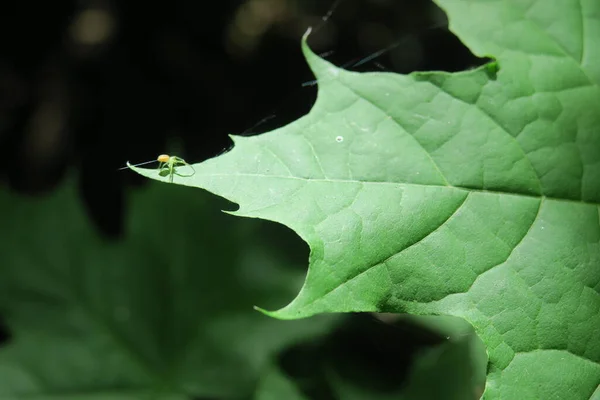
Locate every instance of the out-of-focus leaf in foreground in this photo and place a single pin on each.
(473, 194)
(165, 313)
(365, 358)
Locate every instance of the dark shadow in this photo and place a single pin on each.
(366, 351)
(169, 72)
(5, 335)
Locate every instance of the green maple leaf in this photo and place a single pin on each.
(473, 194)
(164, 313)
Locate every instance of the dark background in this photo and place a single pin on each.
(88, 85)
(94, 83)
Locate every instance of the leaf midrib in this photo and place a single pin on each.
(356, 181)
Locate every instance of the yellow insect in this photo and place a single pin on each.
(167, 166)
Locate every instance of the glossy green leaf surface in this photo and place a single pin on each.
(473, 194)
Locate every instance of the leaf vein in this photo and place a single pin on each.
(354, 181)
(499, 125)
(384, 261)
(437, 167)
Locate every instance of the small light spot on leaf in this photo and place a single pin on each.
(339, 139)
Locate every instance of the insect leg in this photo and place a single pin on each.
(187, 175)
(171, 170)
(182, 162)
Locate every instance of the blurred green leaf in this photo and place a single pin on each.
(275, 385)
(473, 194)
(371, 363)
(163, 314)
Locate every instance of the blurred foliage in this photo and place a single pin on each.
(168, 308)
(367, 358)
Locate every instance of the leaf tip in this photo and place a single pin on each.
(284, 313)
(492, 68)
(276, 314)
(147, 173)
(305, 47)
(235, 213)
(127, 166)
(320, 67)
(267, 313)
(306, 34)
